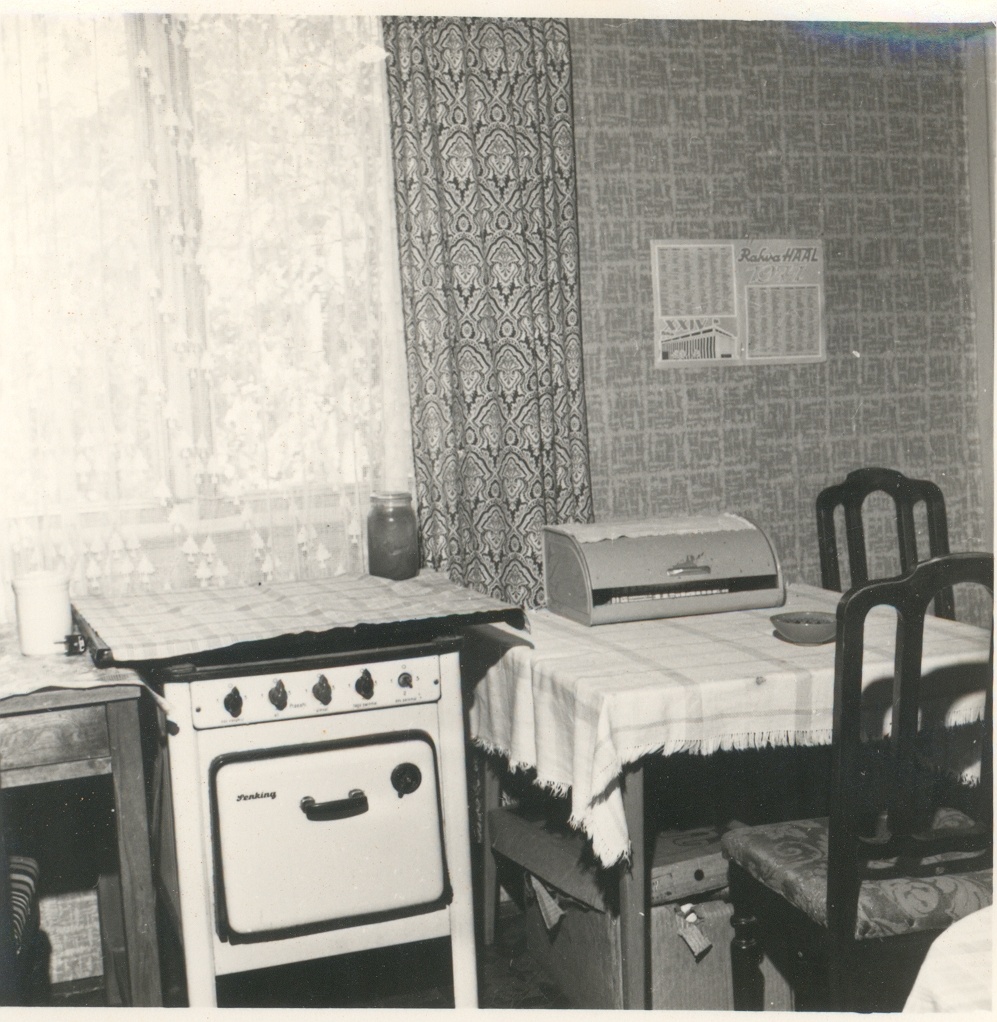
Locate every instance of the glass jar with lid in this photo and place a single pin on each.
(392, 536)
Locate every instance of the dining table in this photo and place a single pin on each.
(583, 708)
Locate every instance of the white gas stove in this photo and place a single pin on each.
(311, 813)
(312, 789)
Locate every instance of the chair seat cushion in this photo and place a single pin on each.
(791, 859)
(23, 897)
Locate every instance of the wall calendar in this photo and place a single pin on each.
(738, 302)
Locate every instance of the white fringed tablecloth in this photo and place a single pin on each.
(579, 703)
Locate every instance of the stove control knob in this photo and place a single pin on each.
(405, 778)
(365, 684)
(405, 680)
(278, 695)
(233, 702)
(322, 690)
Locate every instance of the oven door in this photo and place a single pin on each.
(334, 834)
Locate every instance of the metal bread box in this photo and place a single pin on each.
(630, 571)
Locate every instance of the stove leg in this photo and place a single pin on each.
(457, 833)
(192, 866)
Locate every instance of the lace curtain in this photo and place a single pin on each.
(201, 360)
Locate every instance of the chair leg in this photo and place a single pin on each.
(841, 992)
(112, 938)
(745, 964)
(835, 993)
(492, 791)
(37, 981)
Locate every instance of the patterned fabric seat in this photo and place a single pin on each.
(791, 860)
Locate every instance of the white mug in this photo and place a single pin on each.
(44, 617)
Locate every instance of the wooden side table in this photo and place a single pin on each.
(59, 734)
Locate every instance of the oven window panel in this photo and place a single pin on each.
(369, 841)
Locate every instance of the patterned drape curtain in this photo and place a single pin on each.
(483, 147)
(202, 365)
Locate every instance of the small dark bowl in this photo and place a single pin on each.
(807, 627)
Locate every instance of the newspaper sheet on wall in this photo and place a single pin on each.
(755, 301)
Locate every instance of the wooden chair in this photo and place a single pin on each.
(866, 891)
(906, 493)
(23, 948)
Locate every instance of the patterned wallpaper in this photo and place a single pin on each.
(701, 129)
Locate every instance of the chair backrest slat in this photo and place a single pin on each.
(906, 493)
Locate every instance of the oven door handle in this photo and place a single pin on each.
(355, 804)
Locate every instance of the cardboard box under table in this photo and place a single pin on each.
(580, 949)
